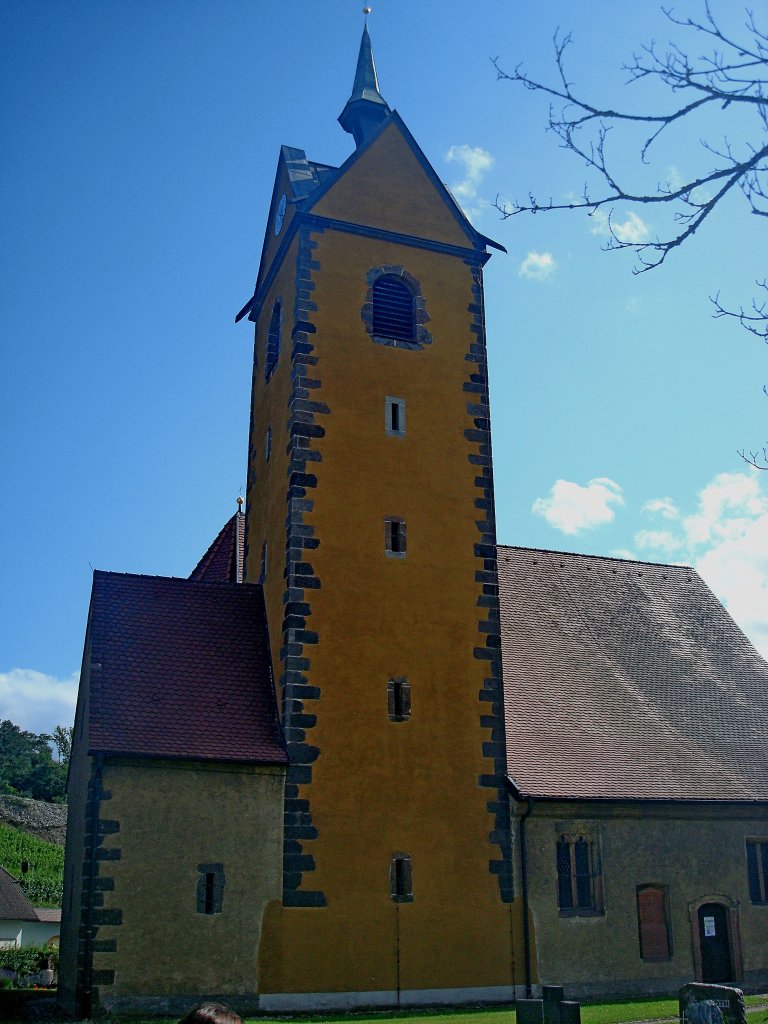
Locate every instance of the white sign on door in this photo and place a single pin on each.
(709, 926)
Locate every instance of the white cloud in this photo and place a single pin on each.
(727, 494)
(665, 507)
(737, 570)
(476, 163)
(631, 230)
(623, 553)
(572, 508)
(35, 701)
(675, 179)
(633, 305)
(660, 540)
(726, 539)
(537, 266)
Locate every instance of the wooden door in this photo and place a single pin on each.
(715, 943)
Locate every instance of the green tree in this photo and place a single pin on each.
(62, 740)
(27, 767)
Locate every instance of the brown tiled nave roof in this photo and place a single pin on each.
(181, 669)
(627, 680)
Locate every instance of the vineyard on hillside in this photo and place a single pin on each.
(44, 878)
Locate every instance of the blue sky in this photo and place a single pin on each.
(140, 145)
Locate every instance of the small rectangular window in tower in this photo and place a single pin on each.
(401, 878)
(268, 443)
(394, 537)
(210, 888)
(757, 870)
(263, 567)
(394, 416)
(398, 699)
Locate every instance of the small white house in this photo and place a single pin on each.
(21, 924)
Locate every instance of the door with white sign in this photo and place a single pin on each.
(715, 943)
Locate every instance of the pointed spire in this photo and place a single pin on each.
(366, 108)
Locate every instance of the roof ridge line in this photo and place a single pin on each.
(602, 558)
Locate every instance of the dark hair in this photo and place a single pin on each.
(210, 1013)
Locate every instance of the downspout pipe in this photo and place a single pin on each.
(524, 885)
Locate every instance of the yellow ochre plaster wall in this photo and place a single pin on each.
(695, 852)
(268, 480)
(227, 814)
(387, 188)
(380, 787)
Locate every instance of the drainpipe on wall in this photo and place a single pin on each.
(524, 882)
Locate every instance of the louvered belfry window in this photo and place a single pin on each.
(393, 309)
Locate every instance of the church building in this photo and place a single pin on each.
(364, 756)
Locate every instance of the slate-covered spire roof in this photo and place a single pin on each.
(366, 108)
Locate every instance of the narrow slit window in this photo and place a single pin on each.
(394, 537)
(273, 341)
(393, 312)
(394, 417)
(209, 877)
(757, 870)
(268, 444)
(210, 888)
(263, 567)
(401, 878)
(398, 699)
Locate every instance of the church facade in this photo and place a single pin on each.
(350, 761)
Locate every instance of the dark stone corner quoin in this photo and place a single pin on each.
(96, 880)
(304, 432)
(478, 437)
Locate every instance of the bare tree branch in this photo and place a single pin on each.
(733, 76)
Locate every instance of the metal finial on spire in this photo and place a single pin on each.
(366, 108)
(239, 503)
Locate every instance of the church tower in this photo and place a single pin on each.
(371, 526)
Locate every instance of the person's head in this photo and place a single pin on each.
(210, 1013)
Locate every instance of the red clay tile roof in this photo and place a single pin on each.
(223, 561)
(627, 680)
(14, 904)
(181, 669)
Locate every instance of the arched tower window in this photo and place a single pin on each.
(273, 340)
(393, 309)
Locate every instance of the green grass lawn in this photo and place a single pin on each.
(591, 1013)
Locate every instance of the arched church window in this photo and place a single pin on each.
(273, 340)
(393, 308)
